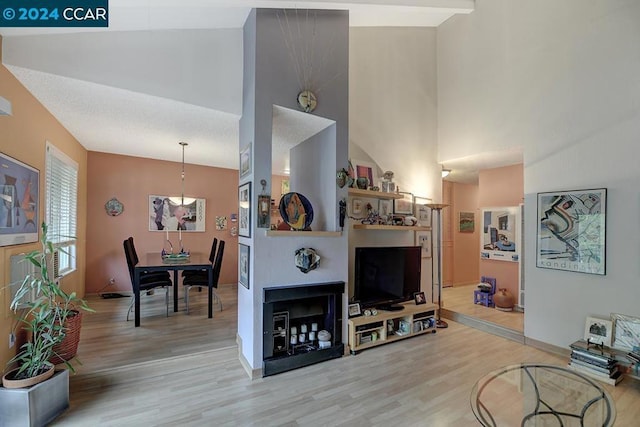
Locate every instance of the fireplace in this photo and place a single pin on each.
(296, 320)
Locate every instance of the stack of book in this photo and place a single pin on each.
(595, 362)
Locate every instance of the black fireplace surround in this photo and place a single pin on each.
(300, 307)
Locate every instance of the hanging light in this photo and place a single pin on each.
(445, 172)
(182, 200)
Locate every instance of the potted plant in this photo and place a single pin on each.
(44, 319)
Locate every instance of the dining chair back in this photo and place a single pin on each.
(200, 279)
(148, 280)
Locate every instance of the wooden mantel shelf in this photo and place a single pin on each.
(374, 194)
(390, 227)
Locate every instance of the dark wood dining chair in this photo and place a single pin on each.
(148, 280)
(200, 278)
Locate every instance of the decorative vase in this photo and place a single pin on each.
(362, 182)
(503, 300)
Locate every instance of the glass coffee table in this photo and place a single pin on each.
(541, 395)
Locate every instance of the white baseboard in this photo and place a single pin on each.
(253, 373)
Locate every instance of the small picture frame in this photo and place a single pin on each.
(385, 208)
(244, 209)
(354, 310)
(245, 160)
(403, 206)
(356, 207)
(423, 239)
(626, 332)
(419, 298)
(598, 331)
(244, 264)
(466, 222)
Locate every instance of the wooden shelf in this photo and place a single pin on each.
(374, 194)
(285, 233)
(390, 227)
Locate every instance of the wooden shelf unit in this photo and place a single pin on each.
(286, 233)
(390, 227)
(420, 319)
(374, 194)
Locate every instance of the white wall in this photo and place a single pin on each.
(561, 79)
(393, 103)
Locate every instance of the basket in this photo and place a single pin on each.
(67, 349)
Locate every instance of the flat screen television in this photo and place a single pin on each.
(386, 276)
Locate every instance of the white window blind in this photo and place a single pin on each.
(61, 195)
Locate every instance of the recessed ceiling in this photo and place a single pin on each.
(169, 70)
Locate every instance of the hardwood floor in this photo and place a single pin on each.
(421, 381)
(459, 299)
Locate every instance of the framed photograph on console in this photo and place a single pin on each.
(354, 310)
(626, 332)
(598, 331)
(419, 298)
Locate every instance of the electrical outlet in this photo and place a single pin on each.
(12, 340)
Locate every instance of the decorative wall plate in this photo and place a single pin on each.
(296, 211)
(307, 259)
(114, 207)
(307, 101)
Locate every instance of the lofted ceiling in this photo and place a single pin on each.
(171, 70)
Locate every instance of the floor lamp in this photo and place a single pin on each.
(437, 208)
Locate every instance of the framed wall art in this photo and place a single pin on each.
(244, 264)
(365, 169)
(245, 160)
(571, 231)
(467, 222)
(19, 202)
(244, 210)
(626, 332)
(166, 215)
(500, 234)
(423, 239)
(598, 331)
(422, 211)
(403, 206)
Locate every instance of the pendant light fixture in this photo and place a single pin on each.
(182, 201)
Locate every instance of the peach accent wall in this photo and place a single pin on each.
(465, 245)
(23, 136)
(131, 180)
(461, 253)
(501, 187)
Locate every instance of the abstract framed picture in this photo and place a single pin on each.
(244, 210)
(245, 160)
(500, 238)
(572, 231)
(168, 214)
(19, 202)
(244, 264)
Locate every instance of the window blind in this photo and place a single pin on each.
(62, 205)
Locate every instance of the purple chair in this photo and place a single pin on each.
(485, 297)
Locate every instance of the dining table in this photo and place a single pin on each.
(154, 261)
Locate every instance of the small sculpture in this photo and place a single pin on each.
(341, 177)
(307, 259)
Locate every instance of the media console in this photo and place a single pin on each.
(389, 326)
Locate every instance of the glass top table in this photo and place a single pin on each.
(541, 395)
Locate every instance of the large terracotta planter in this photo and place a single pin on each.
(503, 300)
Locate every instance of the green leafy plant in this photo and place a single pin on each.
(44, 317)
